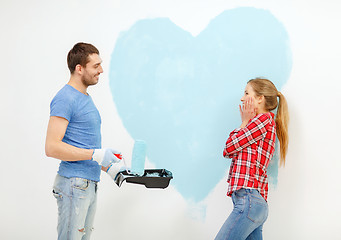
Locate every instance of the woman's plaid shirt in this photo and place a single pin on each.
(251, 149)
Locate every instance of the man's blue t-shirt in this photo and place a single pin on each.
(83, 130)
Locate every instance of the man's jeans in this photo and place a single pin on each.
(76, 200)
(247, 218)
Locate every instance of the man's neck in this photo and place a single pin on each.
(78, 85)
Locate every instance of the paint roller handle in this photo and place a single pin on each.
(124, 163)
(106, 156)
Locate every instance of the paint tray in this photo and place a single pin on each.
(152, 178)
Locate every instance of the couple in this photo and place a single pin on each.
(74, 137)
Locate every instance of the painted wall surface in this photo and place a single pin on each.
(174, 72)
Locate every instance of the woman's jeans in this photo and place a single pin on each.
(247, 218)
(76, 200)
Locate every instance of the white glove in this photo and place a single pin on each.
(106, 156)
(115, 168)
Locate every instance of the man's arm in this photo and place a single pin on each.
(56, 148)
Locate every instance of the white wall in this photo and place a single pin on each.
(35, 38)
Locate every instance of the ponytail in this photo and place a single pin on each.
(282, 120)
(264, 87)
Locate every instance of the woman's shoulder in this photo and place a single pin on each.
(265, 117)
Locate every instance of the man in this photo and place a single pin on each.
(73, 136)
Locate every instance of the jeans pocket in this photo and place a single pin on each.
(258, 210)
(57, 194)
(80, 183)
(239, 201)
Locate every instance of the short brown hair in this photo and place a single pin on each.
(79, 55)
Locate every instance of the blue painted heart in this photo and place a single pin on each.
(180, 93)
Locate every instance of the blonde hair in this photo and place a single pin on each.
(264, 87)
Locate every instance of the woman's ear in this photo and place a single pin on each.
(260, 99)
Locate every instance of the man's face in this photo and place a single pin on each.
(92, 70)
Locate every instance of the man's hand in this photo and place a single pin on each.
(115, 168)
(106, 156)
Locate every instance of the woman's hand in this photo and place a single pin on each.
(247, 111)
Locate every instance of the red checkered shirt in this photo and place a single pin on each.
(251, 149)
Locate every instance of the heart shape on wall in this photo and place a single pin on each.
(180, 93)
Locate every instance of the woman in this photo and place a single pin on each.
(251, 147)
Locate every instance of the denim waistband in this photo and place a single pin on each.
(244, 191)
(92, 181)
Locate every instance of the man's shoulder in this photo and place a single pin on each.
(65, 94)
(64, 101)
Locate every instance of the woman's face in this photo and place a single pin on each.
(248, 93)
(258, 101)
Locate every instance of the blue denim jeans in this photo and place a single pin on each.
(76, 200)
(249, 213)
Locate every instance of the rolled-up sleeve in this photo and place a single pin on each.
(241, 138)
